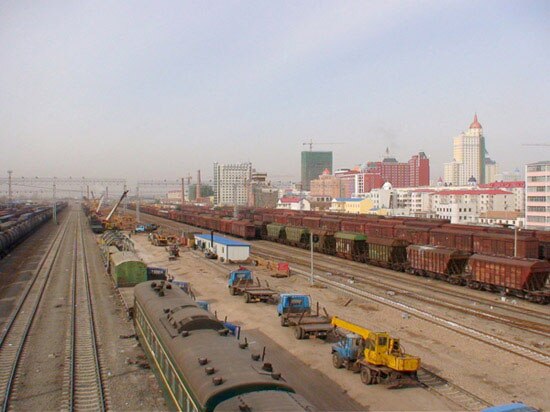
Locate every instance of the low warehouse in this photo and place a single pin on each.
(226, 249)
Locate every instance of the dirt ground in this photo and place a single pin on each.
(208, 280)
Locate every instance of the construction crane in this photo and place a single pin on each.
(310, 144)
(378, 357)
(536, 144)
(106, 222)
(100, 203)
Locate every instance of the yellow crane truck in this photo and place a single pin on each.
(378, 357)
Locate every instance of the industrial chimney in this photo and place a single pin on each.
(198, 186)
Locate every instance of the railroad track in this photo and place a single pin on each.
(379, 274)
(15, 333)
(84, 386)
(431, 381)
(448, 390)
(509, 346)
(376, 272)
(360, 277)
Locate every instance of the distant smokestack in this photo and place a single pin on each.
(182, 192)
(198, 186)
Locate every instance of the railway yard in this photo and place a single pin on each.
(67, 341)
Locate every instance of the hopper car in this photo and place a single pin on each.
(384, 242)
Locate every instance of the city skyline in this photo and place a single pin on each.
(147, 91)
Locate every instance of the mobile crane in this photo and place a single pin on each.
(107, 224)
(378, 357)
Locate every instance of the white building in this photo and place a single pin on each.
(468, 157)
(228, 250)
(465, 206)
(231, 183)
(517, 188)
(537, 187)
(293, 203)
(491, 170)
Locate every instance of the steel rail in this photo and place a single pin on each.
(509, 346)
(9, 366)
(86, 388)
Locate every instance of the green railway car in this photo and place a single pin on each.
(297, 236)
(127, 269)
(276, 232)
(387, 252)
(350, 245)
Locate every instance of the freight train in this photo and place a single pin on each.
(459, 254)
(16, 227)
(200, 365)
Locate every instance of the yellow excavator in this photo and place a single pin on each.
(377, 356)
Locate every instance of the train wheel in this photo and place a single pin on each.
(366, 376)
(337, 361)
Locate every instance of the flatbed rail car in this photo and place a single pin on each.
(241, 282)
(295, 310)
(199, 364)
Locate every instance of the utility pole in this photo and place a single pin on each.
(54, 203)
(106, 194)
(137, 205)
(125, 200)
(9, 186)
(311, 260)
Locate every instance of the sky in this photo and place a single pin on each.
(159, 89)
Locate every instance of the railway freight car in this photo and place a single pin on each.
(388, 253)
(437, 263)
(500, 244)
(351, 246)
(127, 269)
(524, 278)
(23, 226)
(199, 365)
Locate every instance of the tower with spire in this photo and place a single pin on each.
(468, 156)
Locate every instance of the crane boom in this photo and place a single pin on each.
(115, 207)
(100, 203)
(310, 144)
(352, 327)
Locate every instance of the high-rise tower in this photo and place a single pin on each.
(468, 157)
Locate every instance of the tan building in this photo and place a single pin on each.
(468, 157)
(352, 205)
(326, 186)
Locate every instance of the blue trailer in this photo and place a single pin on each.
(242, 282)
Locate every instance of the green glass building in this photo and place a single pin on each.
(313, 164)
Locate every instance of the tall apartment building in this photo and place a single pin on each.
(313, 165)
(468, 157)
(537, 192)
(414, 173)
(231, 183)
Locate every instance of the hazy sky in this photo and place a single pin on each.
(157, 89)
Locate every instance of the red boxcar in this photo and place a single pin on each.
(355, 225)
(452, 238)
(416, 235)
(503, 245)
(244, 229)
(295, 220)
(226, 226)
(282, 219)
(380, 228)
(330, 224)
(521, 277)
(311, 222)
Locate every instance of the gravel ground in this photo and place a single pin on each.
(130, 387)
(208, 280)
